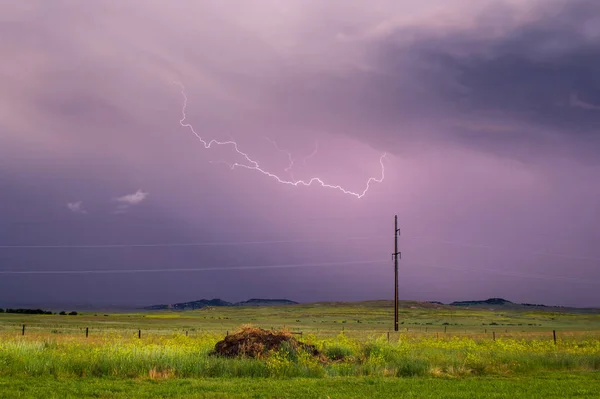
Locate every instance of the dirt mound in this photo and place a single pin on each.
(258, 343)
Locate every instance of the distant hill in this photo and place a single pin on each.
(488, 303)
(491, 301)
(508, 305)
(265, 302)
(203, 303)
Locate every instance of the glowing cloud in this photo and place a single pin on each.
(254, 165)
(129, 200)
(76, 207)
(133, 199)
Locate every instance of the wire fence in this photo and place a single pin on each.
(434, 332)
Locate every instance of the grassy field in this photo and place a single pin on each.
(357, 319)
(543, 386)
(440, 351)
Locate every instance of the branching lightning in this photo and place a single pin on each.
(254, 165)
(312, 154)
(291, 157)
(289, 154)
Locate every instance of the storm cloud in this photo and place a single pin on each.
(488, 111)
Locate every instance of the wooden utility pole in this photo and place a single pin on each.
(395, 256)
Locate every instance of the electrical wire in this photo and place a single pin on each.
(205, 269)
(188, 244)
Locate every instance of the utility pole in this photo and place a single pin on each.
(395, 256)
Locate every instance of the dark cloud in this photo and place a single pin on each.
(488, 110)
(490, 85)
(511, 89)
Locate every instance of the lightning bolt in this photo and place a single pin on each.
(254, 165)
(312, 154)
(289, 154)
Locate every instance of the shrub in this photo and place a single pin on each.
(337, 352)
(412, 368)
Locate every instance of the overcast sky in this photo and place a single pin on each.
(487, 111)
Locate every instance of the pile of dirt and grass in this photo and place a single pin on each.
(258, 343)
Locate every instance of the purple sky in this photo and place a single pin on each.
(488, 111)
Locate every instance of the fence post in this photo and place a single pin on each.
(388, 336)
(554, 335)
(86, 332)
(139, 334)
(23, 333)
(445, 328)
(494, 335)
(186, 333)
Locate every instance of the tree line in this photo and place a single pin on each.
(36, 311)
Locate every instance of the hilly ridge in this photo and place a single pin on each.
(489, 303)
(203, 303)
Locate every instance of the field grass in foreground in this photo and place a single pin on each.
(441, 351)
(548, 385)
(183, 357)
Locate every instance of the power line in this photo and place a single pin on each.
(127, 271)
(189, 244)
(297, 241)
(147, 218)
(287, 266)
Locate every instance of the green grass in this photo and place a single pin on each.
(183, 357)
(355, 319)
(441, 351)
(551, 385)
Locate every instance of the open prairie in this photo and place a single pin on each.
(460, 352)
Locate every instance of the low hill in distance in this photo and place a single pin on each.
(491, 303)
(203, 303)
(500, 303)
(265, 302)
